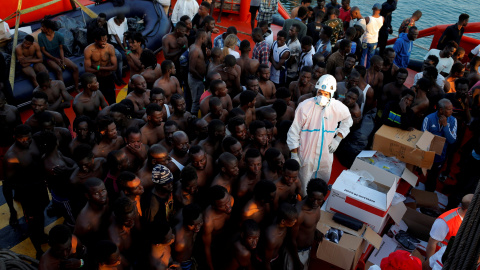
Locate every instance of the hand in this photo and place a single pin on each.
(390, 31)
(174, 265)
(22, 61)
(58, 61)
(71, 264)
(403, 105)
(215, 30)
(334, 144)
(59, 170)
(295, 157)
(442, 120)
(136, 151)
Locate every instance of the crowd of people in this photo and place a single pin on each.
(215, 159)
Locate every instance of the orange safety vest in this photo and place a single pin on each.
(453, 220)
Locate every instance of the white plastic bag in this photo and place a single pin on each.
(4, 30)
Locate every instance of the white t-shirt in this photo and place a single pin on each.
(476, 51)
(440, 79)
(114, 29)
(435, 261)
(373, 27)
(444, 64)
(269, 40)
(295, 51)
(306, 59)
(184, 7)
(234, 53)
(439, 230)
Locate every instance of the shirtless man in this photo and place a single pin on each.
(65, 251)
(200, 130)
(319, 70)
(289, 186)
(421, 103)
(305, 232)
(393, 90)
(39, 105)
(151, 69)
(90, 99)
(252, 176)
(248, 66)
(131, 186)
(273, 164)
(258, 137)
(22, 164)
(218, 89)
(247, 104)
(153, 132)
(228, 175)
(216, 216)
(260, 207)
(186, 189)
(168, 82)
(216, 110)
(303, 85)
(157, 154)
(283, 111)
(122, 115)
(9, 119)
(234, 147)
(100, 60)
(92, 217)
(140, 95)
(374, 76)
(216, 133)
(197, 69)
(341, 73)
(217, 59)
(203, 164)
(244, 246)
(109, 140)
(238, 130)
(46, 122)
(180, 115)
(185, 234)
(58, 97)
(122, 227)
(267, 113)
(175, 43)
(179, 153)
(367, 92)
(107, 256)
(117, 162)
(136, 41)
(30, 58)
(168, 129)
(350, 100)
(157, 96)
(273, 238)
(231, 73)
(284, 94)
(135, 150)
(162, 239)
(389, 69)
(267, 88)
(252, 85)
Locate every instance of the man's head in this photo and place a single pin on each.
(293, 31)
(133, 137)
(202, 37)
(281, 38)
(250, 234)
(96, 192)
(192, 217)
(245, 46)
(457, 70)
(258, 133)
(269, 114)
(388, 56)
(319, 70)
(424, 85)
(305, 75)
(377, 8)
(201, 129)
(326, 33)
(233, 146)
(107, 127)
(83, 156)
(284, 94)
(180, 29)
(449, 49)
(247, 99)
(48, 26)
(101, 19)
(218, 88)
(188, 179)
(180, 143)
(138, 84)
(216, 108)
(413, 33)
(461, 86)
(355, 12)
(252, 84)
(280, 107)
(306, 43)
(216, 130)
(257, 35)
(463, 19)
(263, 72)
(23, 136)
(287, 215)
(351, 97)
(326, 87)
(408, 96)
(118, 161)
(154, 114)
(107, 254)
(346, 5)
(345, 46)
(290, 172)
(198, 157)
(169, 128)
(238, 128)
(320, 4)
(178, 104)
(350, 60)
(162, 179)
(275, 159)
(317, 190)
(120, 18)
(265, 191)
(39, 102)
(221, 201)
(376, 63)
(302, 12)
(161, 233)
(157, 154)
(230, 61)
(209, 23)
(466, 201)
(417, 15)
(100, 37)
(401, 76)
(228, 164)
(89, 81)
(263, 25)
(168, 67)
(60, 242)
(253, 160)
(44, 81)
(445, 107)
(459, 54)
(130, 184)
(188, 22)
(27, 42)
(125, 212)
(148, 59)
(204, 9)
(83, 127)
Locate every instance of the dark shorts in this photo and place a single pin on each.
(254, 10)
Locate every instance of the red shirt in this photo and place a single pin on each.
(345, 15)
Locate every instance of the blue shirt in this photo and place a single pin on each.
(219, 42)
(403, 48)
(52, 47)
(431, 124)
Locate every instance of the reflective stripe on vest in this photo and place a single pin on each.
(453, 221)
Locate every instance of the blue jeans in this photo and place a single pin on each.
(367, 53)
(120, 55)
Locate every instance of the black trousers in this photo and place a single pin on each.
(107, 87)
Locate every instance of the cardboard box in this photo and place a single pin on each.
(419, 224)
(425, 198)
(372, 206)
(347, 252)
(388, 246)
(413, 147)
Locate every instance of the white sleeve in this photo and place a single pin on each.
(293, 136)
(476, 51)
(345, 124)
(417, 77)
(176, 12)
(449, 66)
(439, 230)
(111, 29)
(432, 261)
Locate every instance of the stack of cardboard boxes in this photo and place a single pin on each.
(367, 192)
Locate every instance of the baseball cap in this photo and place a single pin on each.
(401, 260)
(161, 175)
(377, 6)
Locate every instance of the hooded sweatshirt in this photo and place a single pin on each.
(403, 48)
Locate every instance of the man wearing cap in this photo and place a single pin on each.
(158, 204)
(314, 136)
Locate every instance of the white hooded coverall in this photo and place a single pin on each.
(312, 131)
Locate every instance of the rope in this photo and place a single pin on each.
(28, 10)
(240, 32)
(465, 250)
(12, 260)
(89, 12)
(11, 76)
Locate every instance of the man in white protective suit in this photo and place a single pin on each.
(320, 124)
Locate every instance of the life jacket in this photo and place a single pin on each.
(453, 220)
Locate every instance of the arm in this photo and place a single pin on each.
(44, 51)
(345, 124)
(133, 60)
(238, 86)
(78, 108)
(168, 54)
(193, 63)
(62, 55)
(38, 53)
(293, 137)
(369, 100)
(65, 95)
(278, 65)
(207, 241)
(431, 247)
(293, 241)
(450, 131)
(103, 103)
(268, 253)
